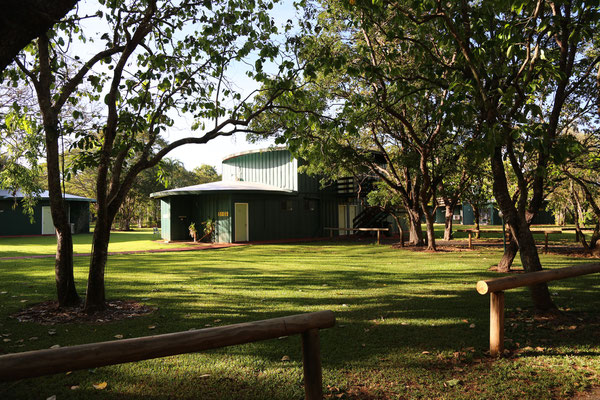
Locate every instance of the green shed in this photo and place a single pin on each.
(14, 221)
(262, 197)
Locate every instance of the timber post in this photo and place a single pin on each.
(311, 359)
(496, 288)
(496, 323)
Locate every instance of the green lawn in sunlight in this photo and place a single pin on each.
(410, 325)
(139, 239)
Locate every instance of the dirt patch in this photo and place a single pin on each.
(593, 394)
(48, 313)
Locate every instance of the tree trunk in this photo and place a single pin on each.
(476, 216)
(95, 297)
(63, 267)
(430, 220)
(448, 222)
(400, 230)
(521, 232)
(415, 231)
(509, 255)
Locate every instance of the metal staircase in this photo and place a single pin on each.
(370, 217)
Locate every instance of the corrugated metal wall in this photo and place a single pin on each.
(165, 218)
(273, 167)
(218, 208)
(275, 216)
(80, 216)
(15, 222)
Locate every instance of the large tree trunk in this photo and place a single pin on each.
(430, 220)
(63, 267)
(415, 231)
(509, 255)
(521, 232)
(95, 297)
(400, 229)
(448, 221)
(476, 216)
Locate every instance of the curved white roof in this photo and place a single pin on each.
(221, 186)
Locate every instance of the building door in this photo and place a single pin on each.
(47, 223)
(342, 218)
(346, 214)
(241, 222)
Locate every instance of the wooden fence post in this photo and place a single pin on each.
(311, 358)
(496, 323)
(470, 240)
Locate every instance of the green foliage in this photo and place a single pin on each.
(20, 150)
(193, 230)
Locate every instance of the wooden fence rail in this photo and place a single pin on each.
(496, 288)
(51, 361)
(378, 230)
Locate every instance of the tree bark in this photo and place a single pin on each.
(63, 267)
(476, 216)
(95, 299)
(400, 230)
(520, 230)
(429, 220)
(448, 221)
(415, 231)
(509, 255)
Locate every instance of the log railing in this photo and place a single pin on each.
(496, 288)
(546, 233)
(51, 361)
(378, 230)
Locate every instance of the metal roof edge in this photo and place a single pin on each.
(263, 150)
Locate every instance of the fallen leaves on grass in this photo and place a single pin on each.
(48, 313)
(452, 382)
(100, 386)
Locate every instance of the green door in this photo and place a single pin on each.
(241, 222)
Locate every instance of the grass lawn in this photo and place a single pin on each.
(409, 325)
(138, 239)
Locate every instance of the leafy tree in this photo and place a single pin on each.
(520, 63)
(205, 174)
(158, 58)
(365, 106)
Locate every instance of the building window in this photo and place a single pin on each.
(311, 204)
(287, 205)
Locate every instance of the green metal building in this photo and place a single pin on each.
(262, 197)
(489, 215)
(14, 222)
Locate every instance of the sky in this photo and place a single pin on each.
(213, 152)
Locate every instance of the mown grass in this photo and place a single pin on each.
(136, 240)
(409, 325)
